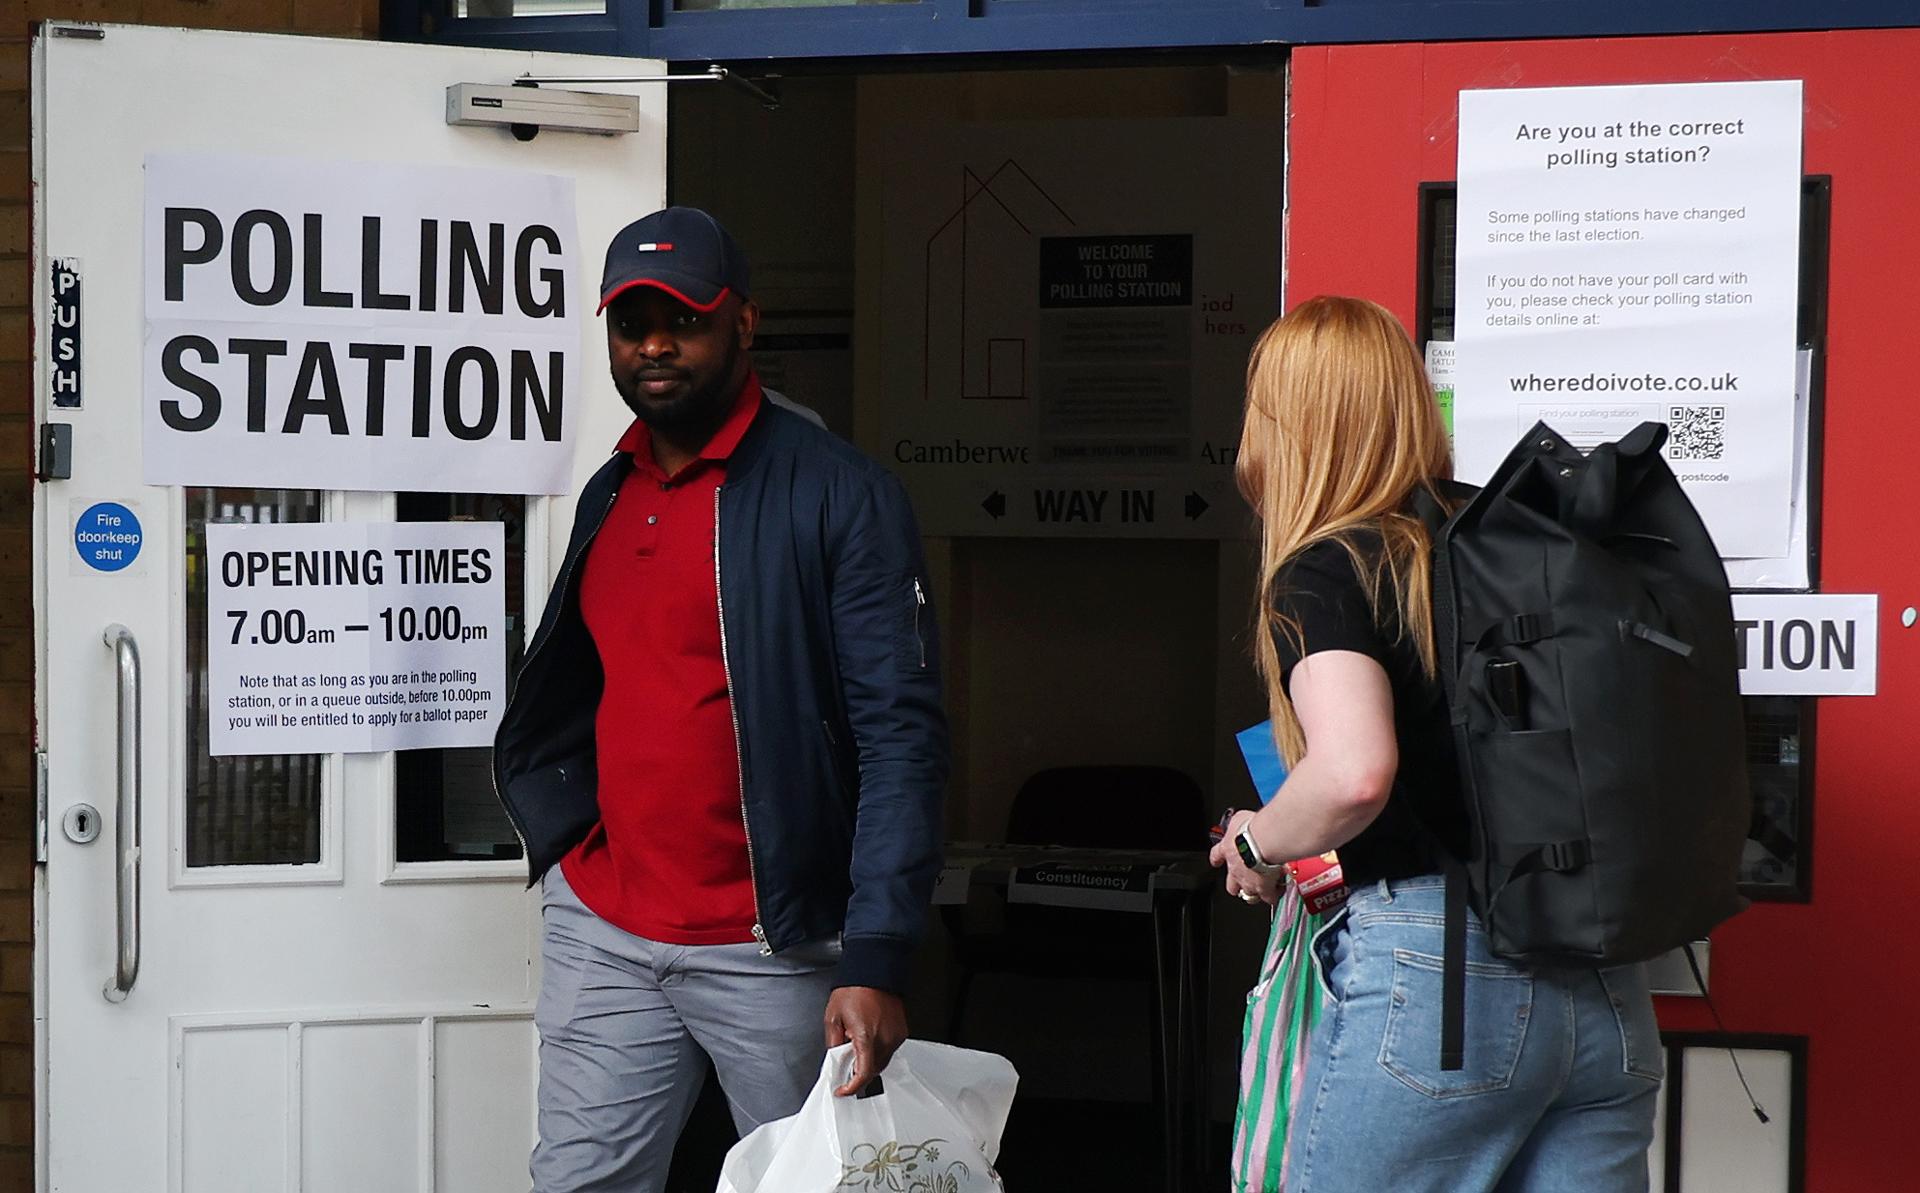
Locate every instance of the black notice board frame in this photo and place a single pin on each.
(1434, 314)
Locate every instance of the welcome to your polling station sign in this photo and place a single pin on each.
(356, 325)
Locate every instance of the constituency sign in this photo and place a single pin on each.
(1630, 254)
(1098, 886)
(354, 325)
(1807, 644)
(355, 636)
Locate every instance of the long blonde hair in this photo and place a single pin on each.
(1341, 428)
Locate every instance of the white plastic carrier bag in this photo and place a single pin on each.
(934, 1128)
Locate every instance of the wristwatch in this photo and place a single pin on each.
(1249, 851)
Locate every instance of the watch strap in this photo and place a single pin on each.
(1249, 850)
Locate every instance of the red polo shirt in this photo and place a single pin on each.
(668, 860)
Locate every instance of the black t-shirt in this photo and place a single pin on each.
(1327, 598)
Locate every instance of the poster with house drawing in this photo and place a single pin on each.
(1068, 308)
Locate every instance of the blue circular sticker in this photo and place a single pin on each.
(107, 536)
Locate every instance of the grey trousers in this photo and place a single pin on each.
(626, 1025)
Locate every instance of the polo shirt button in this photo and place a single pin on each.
(653, 519)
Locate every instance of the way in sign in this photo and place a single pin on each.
(1090, 505)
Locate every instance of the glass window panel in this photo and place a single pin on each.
(444, 804)
(261, 810)
(528, 8)
(1440, 297)
(1776, 762)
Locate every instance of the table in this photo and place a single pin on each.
(1175, 887)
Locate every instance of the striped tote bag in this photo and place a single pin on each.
(1281, 1012)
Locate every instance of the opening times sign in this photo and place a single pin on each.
(353, 325)
(355, 637)
(1630, 254)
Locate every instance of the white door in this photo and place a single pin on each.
(335, 952)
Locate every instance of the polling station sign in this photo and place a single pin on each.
(1807, 643)
(355, 636)
(355, 325)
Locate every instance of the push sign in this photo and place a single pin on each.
(64, 325)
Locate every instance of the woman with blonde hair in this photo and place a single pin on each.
(1562, 1067)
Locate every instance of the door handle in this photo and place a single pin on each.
(126, 814)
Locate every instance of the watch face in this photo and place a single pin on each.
(1245, 847)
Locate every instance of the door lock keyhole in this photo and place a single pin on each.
(81, 824)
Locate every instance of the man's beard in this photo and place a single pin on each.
(701, 409)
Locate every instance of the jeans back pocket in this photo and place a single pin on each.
(1499, 1004)
(1641, 1052)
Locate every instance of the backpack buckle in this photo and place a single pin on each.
(1562, 856)
(1523, 628)
(1517, 630)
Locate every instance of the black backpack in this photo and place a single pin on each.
(1586, 643)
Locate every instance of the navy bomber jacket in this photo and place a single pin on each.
(833, 667)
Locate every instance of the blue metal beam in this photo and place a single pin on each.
(654, 28)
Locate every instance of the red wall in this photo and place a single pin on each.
(1369, 123)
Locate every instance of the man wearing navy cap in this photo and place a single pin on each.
(725, 752)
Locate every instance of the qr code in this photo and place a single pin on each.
(1697, 432)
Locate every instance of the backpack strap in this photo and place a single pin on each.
(1453, 968)
(1426, 506)
(1557, 857)
(1518, 630)
(1431, 507)
(1453, 960)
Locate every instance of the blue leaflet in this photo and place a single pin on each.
(1262, 757)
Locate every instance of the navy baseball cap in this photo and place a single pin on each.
(683, 251)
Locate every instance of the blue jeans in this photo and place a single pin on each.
(1562, 1065)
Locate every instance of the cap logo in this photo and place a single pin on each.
(654, 247)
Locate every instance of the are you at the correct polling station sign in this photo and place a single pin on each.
(353, 325)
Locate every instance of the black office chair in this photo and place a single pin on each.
(1103, 807)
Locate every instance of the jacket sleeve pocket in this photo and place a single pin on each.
(913, 638)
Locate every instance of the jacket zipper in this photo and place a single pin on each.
(566, 577)
(739, 754)
(919, 603)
